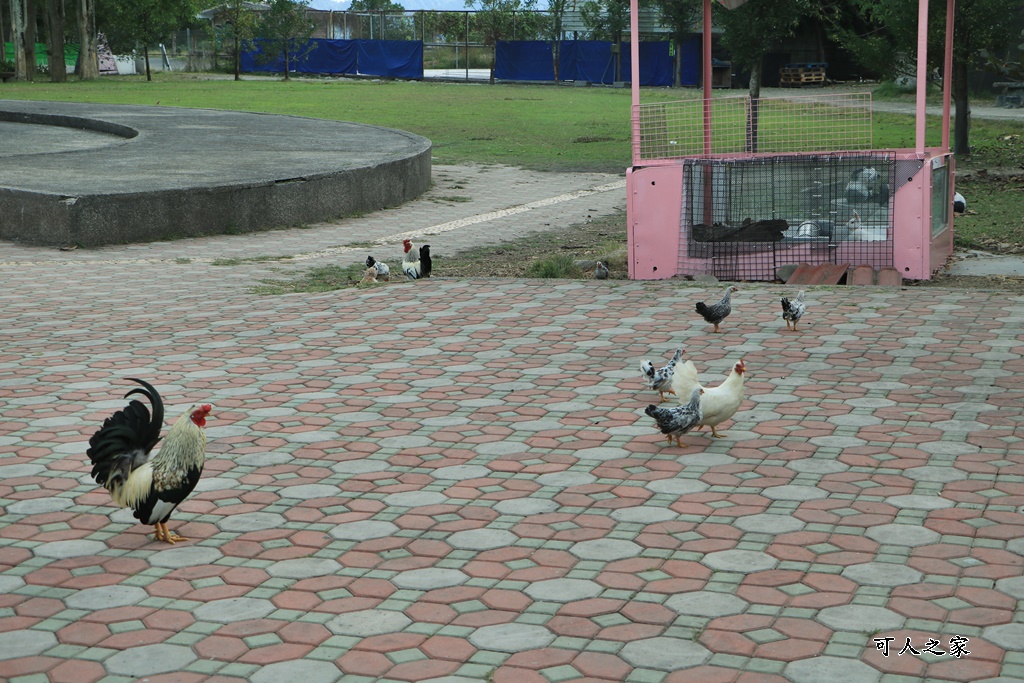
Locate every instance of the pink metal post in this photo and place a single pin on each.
(922, 73)
(947, 74)
(707, 77)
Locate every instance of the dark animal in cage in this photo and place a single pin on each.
(770, 230)
(867, 186)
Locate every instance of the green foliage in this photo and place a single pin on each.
(607, 19)
(286, 31)
(556, 266)
(760, 26)
(236, 29)
(129, 24)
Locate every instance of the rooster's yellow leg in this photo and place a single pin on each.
(172, 537)
(158, 532)
(662, 394)
(716, 327)
(715, 434)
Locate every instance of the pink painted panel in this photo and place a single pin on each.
(653, 206)
(911, 232)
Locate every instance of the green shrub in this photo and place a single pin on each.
(557, 266)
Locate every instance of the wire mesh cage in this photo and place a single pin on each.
(745, 218)
(812, 123)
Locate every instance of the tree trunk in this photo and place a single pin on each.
(556, 56)
(30, 40)
(55, 23)
(287, 64)
(145, 52)
(962, 116)
(755, 100)
(88, 60)
(677, 68)
(18, 18)
(238, 58)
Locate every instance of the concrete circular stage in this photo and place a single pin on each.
(94, 174)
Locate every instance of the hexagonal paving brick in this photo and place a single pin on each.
(1013, 586)
(1006, 636)
(363, 530)
(817, 466)
(743, 561)
(919, 502)
(361, 466)
(482, 539)
(148, 660)
(827, 668)
(766, 523)
(184, 556)
(665, 654)
(251, 521)
(461, 472)
(935, 473)
(706, 459)
(103, 597)
(524, 507)
(25, 643)
(605, 549)
(603, 453)
(60, 550)
(882, 574)
(230, 610)
(368, 622)
(511, 637)
(309, 491)
(644, 515)
(906, 535)
(429, 578)
(566, 479)
(305, 670)
(304, 568)
(678, 487)
(38, 506)
(794, 492)
(563, 590)
(415, 499)
(860, 618)
(706, 604)
(954, 447)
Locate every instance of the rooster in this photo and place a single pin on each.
(600, 271)
(717, 404)
(793, 310)
(716, 313)
(151, 486)
(411, 261)
(383, 272)
(426, 264)
(674, 422)
(661, 379)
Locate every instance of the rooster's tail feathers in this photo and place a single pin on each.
(126, 438)
(785, 305)
(701, 307)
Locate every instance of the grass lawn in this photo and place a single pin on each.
(538, 127)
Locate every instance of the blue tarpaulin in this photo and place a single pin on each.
(524, 60)
(590, 60)
(394, 58)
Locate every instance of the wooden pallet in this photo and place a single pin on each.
(799, 76)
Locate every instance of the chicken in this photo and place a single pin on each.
(426, 263)
(369, 277)
(152, 487)
(793, 310)
(661, 379)
(717, 404)
(674, 422)
(600, 271)
(959, 203)
(411, 261)
(716, 313)
(383, 272)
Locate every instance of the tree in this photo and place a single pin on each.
(55, 40)
(497, 19)
(981, 26)
(556, 12)
(238, 28)
(88, 59)
(129, 24)
(286, 31)
(381, 7)
(681, 16)
(608, 19)
(753, 30)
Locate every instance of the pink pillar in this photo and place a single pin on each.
(947, 74)
(707, 77)
(634, 67)
(922, 72)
